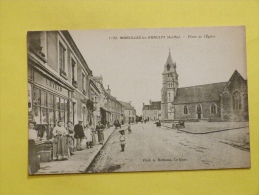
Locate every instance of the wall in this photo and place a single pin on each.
(192, 112)
(227, 111)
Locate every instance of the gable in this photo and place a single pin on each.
(236, 82)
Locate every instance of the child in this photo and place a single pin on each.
(122, 140)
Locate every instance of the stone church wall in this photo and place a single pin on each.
(227, 111)
(192, 111)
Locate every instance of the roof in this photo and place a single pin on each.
(145, 107)
(200, 93)
(76, 50)
(169, 59)
(127, 105)
(112, 98)
(154, 106)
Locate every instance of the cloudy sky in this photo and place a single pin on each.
(133, 67)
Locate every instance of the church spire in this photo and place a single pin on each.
(169, 59)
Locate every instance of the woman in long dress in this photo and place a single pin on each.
(93, 134)
(88, 136)
(60, 148)
(99, 129)
(34, 161)
(70, 137)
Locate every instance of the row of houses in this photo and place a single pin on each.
(61, 85)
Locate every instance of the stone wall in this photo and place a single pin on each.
(228, 113)
(192, 111)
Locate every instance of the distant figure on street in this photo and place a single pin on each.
(129, 128)
(70, 137)
(158, 123)
(99, 129)
(60, 147)
(88, 136)
(117, 123)
(79, 135)
(122, 140)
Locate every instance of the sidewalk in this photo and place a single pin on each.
(77, 163)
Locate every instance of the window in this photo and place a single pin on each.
(62, 59)
(198, 108)
(83, 81)
(185, 110)
(74, 72)
(236, 100)
(48, 109)
(213, 108)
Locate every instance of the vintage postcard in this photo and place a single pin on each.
(137, 100)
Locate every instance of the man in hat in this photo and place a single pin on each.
(79, 134)
(122, 139)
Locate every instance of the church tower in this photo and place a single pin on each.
(169, 89)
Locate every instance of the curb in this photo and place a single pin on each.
(92, 158)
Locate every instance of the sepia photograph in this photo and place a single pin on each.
(131, 100)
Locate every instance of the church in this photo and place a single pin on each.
(224, 101)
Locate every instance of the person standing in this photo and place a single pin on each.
(122, 140)
(129, 128)
(60, 147)
(88, 136)
(79, 135)
(33, 159)
(70, 137)
(93, 134)
(99, 129)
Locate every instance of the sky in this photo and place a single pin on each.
(133, 67)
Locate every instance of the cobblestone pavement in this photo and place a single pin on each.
(150, 148)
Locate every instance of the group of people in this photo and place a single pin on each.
(67, 140)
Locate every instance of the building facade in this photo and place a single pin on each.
(225, 101)
(152, 111)
(58, 80)
(129, 112)
(113, 107)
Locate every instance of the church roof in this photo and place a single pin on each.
(169, 59)
(200, 93)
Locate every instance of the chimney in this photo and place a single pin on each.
(130, 102)
(143, 104)
(150, 102)
(108, 90)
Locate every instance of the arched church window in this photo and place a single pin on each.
(198, 108)
(185, 109)
(213, 108)
(236, 101)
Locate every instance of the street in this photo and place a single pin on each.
(151, 148)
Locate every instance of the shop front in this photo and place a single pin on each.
(48, 102)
